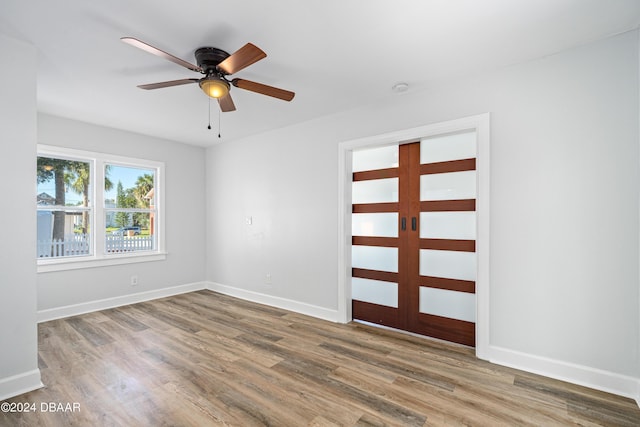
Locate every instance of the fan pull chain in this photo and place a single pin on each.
(209, 127)
(219, 124)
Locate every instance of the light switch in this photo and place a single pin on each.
(249, 220)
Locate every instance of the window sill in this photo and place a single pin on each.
(49, 265)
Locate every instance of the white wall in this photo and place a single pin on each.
(564, 207)
(184, 215)
(18, 335)
(287, 184)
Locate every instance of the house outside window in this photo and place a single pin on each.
(97, 209)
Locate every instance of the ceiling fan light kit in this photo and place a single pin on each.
(214, 86)
(216, 64)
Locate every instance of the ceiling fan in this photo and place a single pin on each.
(216, 65)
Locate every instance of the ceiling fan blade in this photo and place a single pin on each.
(167, 84)
(161, 53)
(263, 89)
(226, 104)
(242, 58)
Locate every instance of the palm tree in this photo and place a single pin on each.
(80, 185)
(144, 184)
(108, 184)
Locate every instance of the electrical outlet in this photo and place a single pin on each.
(267, 278)
(134, 280)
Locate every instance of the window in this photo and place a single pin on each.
(97, 209)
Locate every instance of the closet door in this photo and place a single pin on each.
(444, 303)
(413, 244)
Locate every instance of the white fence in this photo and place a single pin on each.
(120, 243)
(78, 244)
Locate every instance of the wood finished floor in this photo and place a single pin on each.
(204, 359)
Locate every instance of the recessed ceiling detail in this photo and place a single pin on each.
(400, 87)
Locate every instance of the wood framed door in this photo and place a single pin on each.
(413, 237)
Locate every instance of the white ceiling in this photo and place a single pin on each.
(335, 54)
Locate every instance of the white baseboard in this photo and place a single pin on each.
(19, 384)
(598, 379)
(87, 307)
(286, 304)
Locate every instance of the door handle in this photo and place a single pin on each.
(413, 223)
(403, 223)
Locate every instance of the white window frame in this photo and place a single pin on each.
(97, 256)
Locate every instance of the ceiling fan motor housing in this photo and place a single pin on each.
(208, 59)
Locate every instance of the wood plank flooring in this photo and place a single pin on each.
(203, 359)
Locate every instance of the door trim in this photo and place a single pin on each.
(481, 124)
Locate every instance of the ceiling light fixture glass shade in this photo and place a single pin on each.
(214, 87)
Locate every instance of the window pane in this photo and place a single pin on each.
(446, 303)
(128, 187)
(64, 207)
(138, 235)
(374, 258)
(74, 240)
(375, 158)
(63, 182)
(375, 291)
(448, 264)
(448, 225)
(442, 148)
(448, 186)
(375, 191)
(384, 224)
